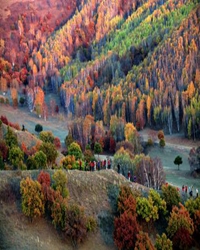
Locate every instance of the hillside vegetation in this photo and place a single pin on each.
(137, 60)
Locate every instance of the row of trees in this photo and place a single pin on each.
(51, 197)
(136, 217)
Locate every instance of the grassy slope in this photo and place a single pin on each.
(92, 190)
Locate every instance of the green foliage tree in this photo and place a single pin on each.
(38, 128)
(68, 140)
(158, 202)
(1, 162)
(40, 159)
(97, 148)
(75, 149)
(178, 161)
(11, 138)
(22, 100)
(171, 195)
(75, 224)
(125, 159)
(162, 142)
(146, 209)
(163, 243)
(32, 198)
(31, 163)
(50, 151)
(46, 136)
(16, 157)
(193, 205)
(60, 182)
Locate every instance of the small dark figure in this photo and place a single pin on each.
(183, 188)
(118, 168)
(197, 192)
(23, 128)
(134, 178)
(109, 164)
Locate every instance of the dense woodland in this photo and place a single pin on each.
(132, 61)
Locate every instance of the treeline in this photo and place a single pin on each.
(136, 60)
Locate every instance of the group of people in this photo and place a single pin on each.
(97, 165)
(189, 190)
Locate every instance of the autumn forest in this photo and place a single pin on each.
(112, 61)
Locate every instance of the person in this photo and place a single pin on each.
(23, 127)
(183, 188)
(109, 163)
(197, 192)
(134, 178)
(118, 168)
(95, 165)
(129, 175)
(98, 165)
(186, 189)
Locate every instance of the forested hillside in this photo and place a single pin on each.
(117, 61)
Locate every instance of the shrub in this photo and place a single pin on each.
(163, 243)
(75, 224)
(32, 198)
(38, 128)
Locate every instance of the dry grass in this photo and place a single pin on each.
(89, 189)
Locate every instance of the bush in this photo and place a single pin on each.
(32, 198)
(38, 128)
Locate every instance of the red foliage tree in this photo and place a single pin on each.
(126, 230)
(3, 149)
(182, 239)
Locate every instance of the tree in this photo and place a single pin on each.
(46, 136)
(158, 202)
(146, 209)
(171, 196)
(58, 210)
(4, 149)
(38, 128)
(162, 142)
(161, 134)
(44, 178)
(126, 201)
(11, 138)
(194, 159)
(143, 242)
(68, 140)
(31, 163)
(16, 157)
(180, 224)
(40, 159)
(97, 148)
(32, 198)
(126, 228)
(50, 151)
(59, 182)
(22, 100)
(178, 161)
(75, 224)
(68, 162)
(163, 243)
(126, 160)
(75, 149)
